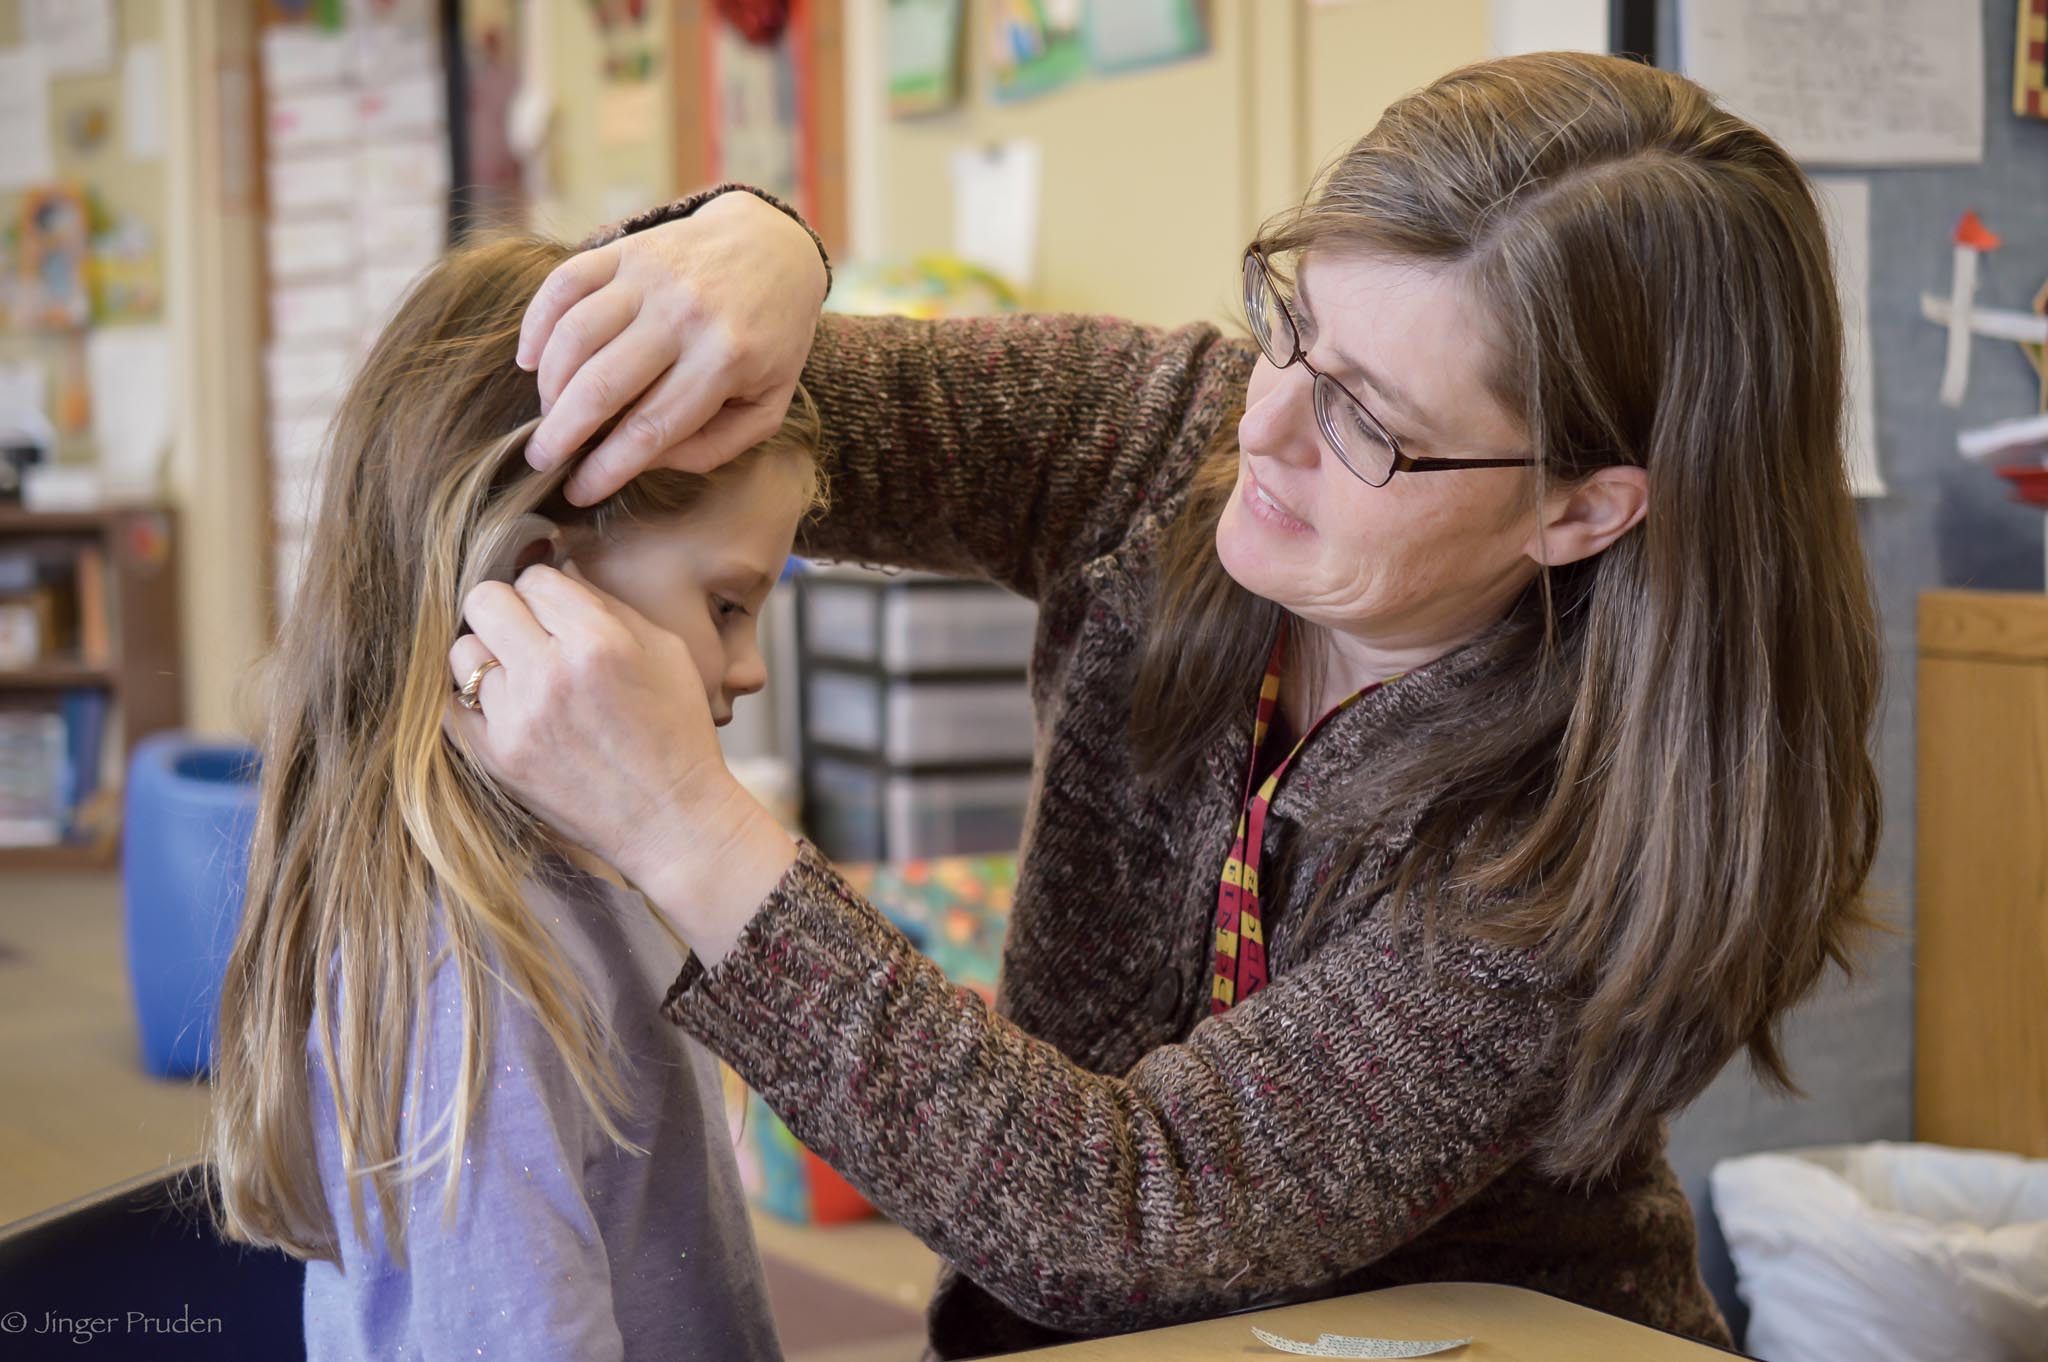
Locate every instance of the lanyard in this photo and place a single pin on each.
(1240, 930)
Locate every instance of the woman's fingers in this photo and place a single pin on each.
(504, 624)
(629, 365)
(585, 329)
(679, 404)
(677, 321)
(732, 431)
(566, 285)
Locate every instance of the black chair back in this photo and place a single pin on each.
(137, 1272)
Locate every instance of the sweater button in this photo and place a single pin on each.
(1164, 1001)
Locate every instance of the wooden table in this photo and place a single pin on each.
(1505, 1324)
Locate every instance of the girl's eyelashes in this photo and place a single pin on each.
(726, 609)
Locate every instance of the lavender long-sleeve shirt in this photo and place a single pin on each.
(564, 1245)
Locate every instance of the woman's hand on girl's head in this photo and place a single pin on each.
(697, 329)
(596, 719)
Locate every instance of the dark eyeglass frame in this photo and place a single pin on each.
(1258, 272)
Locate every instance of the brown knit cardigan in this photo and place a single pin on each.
(1098, 1154)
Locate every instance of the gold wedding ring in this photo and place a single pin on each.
(468, 694)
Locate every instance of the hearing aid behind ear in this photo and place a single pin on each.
(519, 544)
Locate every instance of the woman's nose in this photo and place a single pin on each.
(1279, 422)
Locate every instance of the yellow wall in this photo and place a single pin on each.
(1154, 181)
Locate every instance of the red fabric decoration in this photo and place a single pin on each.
(759, 21)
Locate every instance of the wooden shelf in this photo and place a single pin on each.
(65, 856)
(54, 676)
(15, 520)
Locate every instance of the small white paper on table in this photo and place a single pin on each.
(1847, 82)
(74, 36)
(1346, 1345)
(24, 119)
(996, 192)
(142, 101)
(1845, 203)
(129, 370)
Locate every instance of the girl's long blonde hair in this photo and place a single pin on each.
(370, 821)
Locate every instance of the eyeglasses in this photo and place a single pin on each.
(1360, 442)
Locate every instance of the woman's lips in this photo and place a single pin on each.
(1269, 508)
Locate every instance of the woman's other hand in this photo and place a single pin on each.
(697, 329)
(595, 718)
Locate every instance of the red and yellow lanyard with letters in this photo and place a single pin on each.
(1240, 924)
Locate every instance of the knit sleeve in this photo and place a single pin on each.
(683, 207)
(1301, 1135)
(1009, 447)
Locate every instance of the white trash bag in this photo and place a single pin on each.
(1889, 1253)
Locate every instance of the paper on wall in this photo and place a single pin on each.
(25, 157)
(298, 58)
(133, 432)
(1845, 203)
(300, 184)
(25, 403)
(318, 246)
(142, 101)
(1847, 82)
(996, 206)
(302, 122)
(76, 37)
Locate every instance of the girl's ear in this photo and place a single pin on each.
(526, 540)
(512, 548)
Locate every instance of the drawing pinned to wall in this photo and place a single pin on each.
(1037, 46)
(54, 241)
(1132, 35)
(924, 56)
(125, 270)
(628, 38)
(2030, 60)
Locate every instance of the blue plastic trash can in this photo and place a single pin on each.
(190, 812)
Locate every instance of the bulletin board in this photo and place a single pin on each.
(104, 176)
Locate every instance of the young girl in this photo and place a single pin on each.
(443, 1078)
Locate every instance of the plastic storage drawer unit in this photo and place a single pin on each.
(914, 623)
(865, 815)
(909, 721)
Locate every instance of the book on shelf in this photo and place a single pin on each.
(54, 603)
(50, 756)
(95, 633)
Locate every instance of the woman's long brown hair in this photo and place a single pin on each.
(1669, 783)
(369, 820)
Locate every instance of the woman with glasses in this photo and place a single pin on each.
(1453, 707)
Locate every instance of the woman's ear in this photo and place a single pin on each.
(1581, 522)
